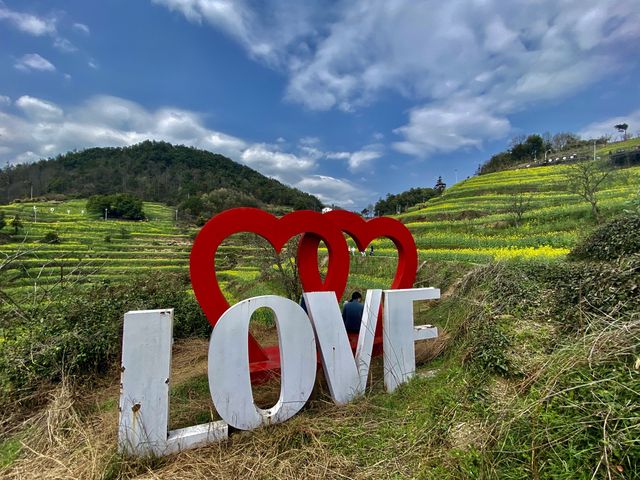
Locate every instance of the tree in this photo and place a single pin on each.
(51, 237)
(391, 204)
(3, 221)
(586, 179)
(127, 207)
(517, 140)
(529, 149)
(123, 205)
(518, 205)
(369, 211)
(622, 128)
(279, 269)
(16, 224)
(563, 140)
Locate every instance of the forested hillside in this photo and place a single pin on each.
(153, 171)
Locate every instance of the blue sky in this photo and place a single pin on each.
(348, 100)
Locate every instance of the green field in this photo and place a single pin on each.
(613, 147)
(470, 222)
(89, 248)
(506, 391)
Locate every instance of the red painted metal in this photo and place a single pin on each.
(264, 363)
(363, 232)
(277, 232)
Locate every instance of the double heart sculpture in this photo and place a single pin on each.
(314, 227)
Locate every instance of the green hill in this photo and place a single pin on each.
(91, 250)
(153, 171)
(534, 374)
(471, 222)
(475, 219)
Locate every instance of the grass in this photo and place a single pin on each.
(529, 378)
(9, 450)
(473, 220)
(564, 407)
(614, 147)
(470, 222)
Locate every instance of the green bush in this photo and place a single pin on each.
(490, 348)
(616, 238)
(123, 206)
(566, 292)
(79, 332)
(51, 237)
(575, 414)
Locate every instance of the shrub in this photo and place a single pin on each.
(16, 224)
(51, 237)
(79, 332)
(616, 238)
(124, 206)
(490, 347)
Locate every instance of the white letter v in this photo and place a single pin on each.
(346, 375)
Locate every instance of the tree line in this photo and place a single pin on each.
(393, 204)
(152, 171)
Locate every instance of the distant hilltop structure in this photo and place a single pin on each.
(440, 185)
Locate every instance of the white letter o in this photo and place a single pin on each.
(229, 379)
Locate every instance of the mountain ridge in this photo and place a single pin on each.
(154, 171)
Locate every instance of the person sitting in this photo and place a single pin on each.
(352, 313)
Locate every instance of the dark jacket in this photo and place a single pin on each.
(352, 315)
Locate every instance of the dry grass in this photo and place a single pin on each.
(74, 436)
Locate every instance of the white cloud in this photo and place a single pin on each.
(605, 127)
(64, 45)
(28, 23)
(82, 28)
(309, 141)
(362, 158)
(267, 29)
(33, 61)
(37, 109)
(503, 55)
(4, 100)
(263, 157)
(331, 190)
(450, 125)
(428, 50)
(359, 159)
(42, 129)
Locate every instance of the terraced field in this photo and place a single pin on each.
(89, 249)
(470, 222)
(474, 220)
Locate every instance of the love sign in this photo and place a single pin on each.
(306, 339)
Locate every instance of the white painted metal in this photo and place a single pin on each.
(364, 348)
(146, 364)
(346, 375)
(144, 395)
(196, 436)
(399, 333)
(424, 332)
(229, 379)
(338, 363)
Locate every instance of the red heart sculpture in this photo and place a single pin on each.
(277, 232)
(363, 232)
